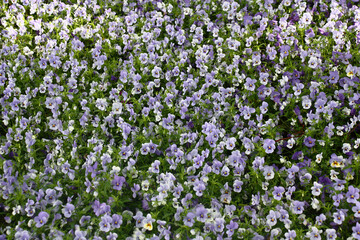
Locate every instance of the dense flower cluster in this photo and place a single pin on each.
(182, 119)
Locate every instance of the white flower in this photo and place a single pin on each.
(290, 143)
(319, 157)
(313, 62)
(315, 204)
(346, 147)
(145, 185)
(226, 6)
(284, 80)
(333, 174)
(117, 108)
(101, 104)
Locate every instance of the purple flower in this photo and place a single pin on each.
(269, 145)
(352, 195)
(219, 224)
(50, 195)
(41, 219)
(284, 51)
(135, 189)
(237, 185)
(117, 182)
(337, 199)
(139, 217)
(225, 171)
(284, 215)
(314, 234)
(271, 218)
(43, 63)
(320, 105)
(250, 84)
(105, 224)
(68, 210)
(21, 234)
(309, 142)
(264, 107)
(291, 234)
(356, 210)
(298, 207)
(201, 213)
(232, 226)
(330, 234)
(100, 208)
(320, 219)
(189, 219)
(156, 72)
(356, 231)
(334, 77)
(199, 187)
(278, 192)
(112, 236)
(339, 217)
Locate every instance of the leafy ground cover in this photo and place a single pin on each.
(179, 119)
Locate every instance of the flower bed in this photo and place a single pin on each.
(179, 119)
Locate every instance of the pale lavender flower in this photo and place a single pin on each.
(41, 219)
(68, 210)
(189, 219)
(352, 194)
(105, 224)
(298, 207)
(269, 145)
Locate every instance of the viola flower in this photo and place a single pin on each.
(117, 182)
(352, 194)
(116, 220)
(264, 107)
(148, 222)
(156, 72)
(291, 234)
(41, 219)
(237, 185)
(268, 172)
(334, 77)
(232, 226)
(350, 71)
(356, 231)
(298, 207)
(105, 224)
(339, 217)
(316, 189)
(330, 234)
(290, 143)
(309, 142)
(68, 210)
(337, 199)
(320, 219)
(201, 213)
(271, 218)
(189, 219)
(230, 143)
(199, 187)
(314, 234)
(250, 84)
(278, 192)
(219, 224)
(225, 171)
(269, 145)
